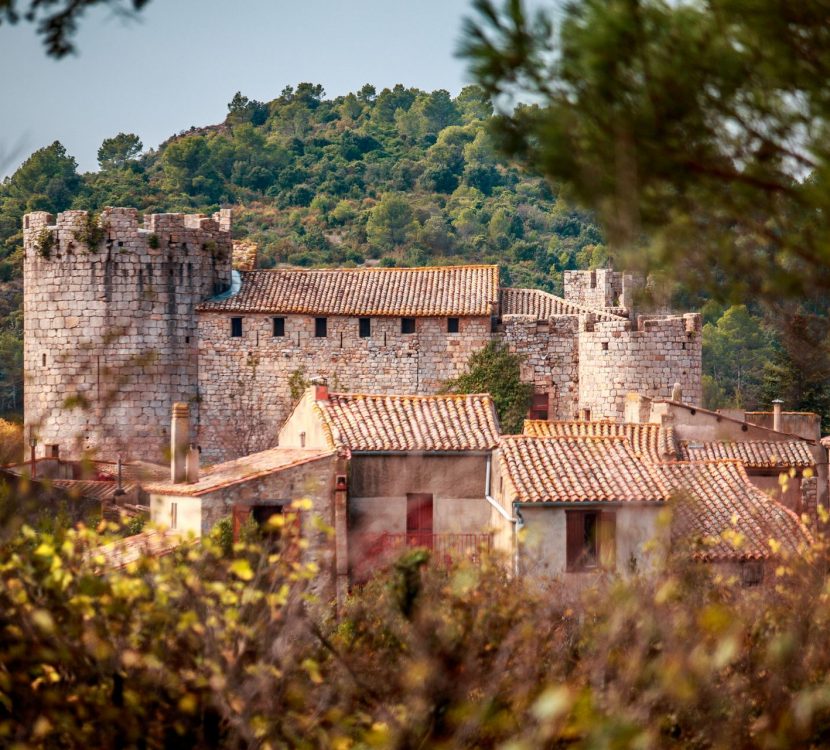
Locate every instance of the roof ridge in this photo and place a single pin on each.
(415, 396)
(386, 269)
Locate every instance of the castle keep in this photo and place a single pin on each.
(123, 320)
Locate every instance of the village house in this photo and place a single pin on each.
(417, 469)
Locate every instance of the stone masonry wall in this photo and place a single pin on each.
(110, 331)
(598, 289)
(613, 360)
(245, 382)
(551, 358)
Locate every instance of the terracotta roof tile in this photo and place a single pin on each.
(577, 469)
(650, 441)
(411, 423)
(415, 292)
(543, 305)
(713, 497)
(122, 552)
(754, 454)
(240, 470)
(89, 489)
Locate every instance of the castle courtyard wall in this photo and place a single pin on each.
(245, 383)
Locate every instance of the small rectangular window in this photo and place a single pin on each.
(279, 326)
(539, 406)
(452, 325)
(236, 328)
(321, 327)
(407, 325)
(365, 325)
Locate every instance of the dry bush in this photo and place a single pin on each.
(11, 442)
(202, 649)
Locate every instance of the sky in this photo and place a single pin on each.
(181, 62)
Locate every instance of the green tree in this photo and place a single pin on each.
(391, 222)
(703, 124)
(736, 351)
(116, 152)
(495, 370)
(47, 181)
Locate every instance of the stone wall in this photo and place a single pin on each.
(602, 288)
(110, 330)
(245, 382)
(551, 358)
(613, 360)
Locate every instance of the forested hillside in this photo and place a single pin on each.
(399, 177)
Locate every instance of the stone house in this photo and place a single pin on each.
(583, 502)
(786, 465)
(123, 319)
(416, 469)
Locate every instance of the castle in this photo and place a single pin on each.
(122, 320)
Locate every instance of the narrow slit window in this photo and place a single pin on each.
(174, 515)
(44, 360)
(365, 326)
(452, 325)
(407, 325)
(321, 326)
(279, 327)
(236, 328)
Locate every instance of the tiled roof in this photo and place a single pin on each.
(122, 552)
(411, 292)
(651, 441)
(135, 471)
(89, 489)
(241, 470)
(543, 305)
(754, 454)
(411, 423)
(578, 469)
(713, 497)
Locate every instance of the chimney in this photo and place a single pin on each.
(179, 442)
(321, 388)
(677, 393)
(637, 408)
(776, 414)
(192, 464)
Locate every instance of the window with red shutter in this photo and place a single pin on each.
(539, 406)
(584, 537)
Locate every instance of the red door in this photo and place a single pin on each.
(419, 520)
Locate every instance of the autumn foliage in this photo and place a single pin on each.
(201, 649)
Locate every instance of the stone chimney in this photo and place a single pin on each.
(637, 408)
(677, 393)
(776, 414)
(179, 442)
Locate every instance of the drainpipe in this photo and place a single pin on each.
(510, 519)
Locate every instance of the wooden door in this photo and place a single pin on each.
(419, 519)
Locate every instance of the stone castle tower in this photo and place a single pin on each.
(110, 339)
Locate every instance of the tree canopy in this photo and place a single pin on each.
(698, 130)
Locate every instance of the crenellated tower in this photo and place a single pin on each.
(110, 325)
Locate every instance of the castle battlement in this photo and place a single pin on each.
(50, 238)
